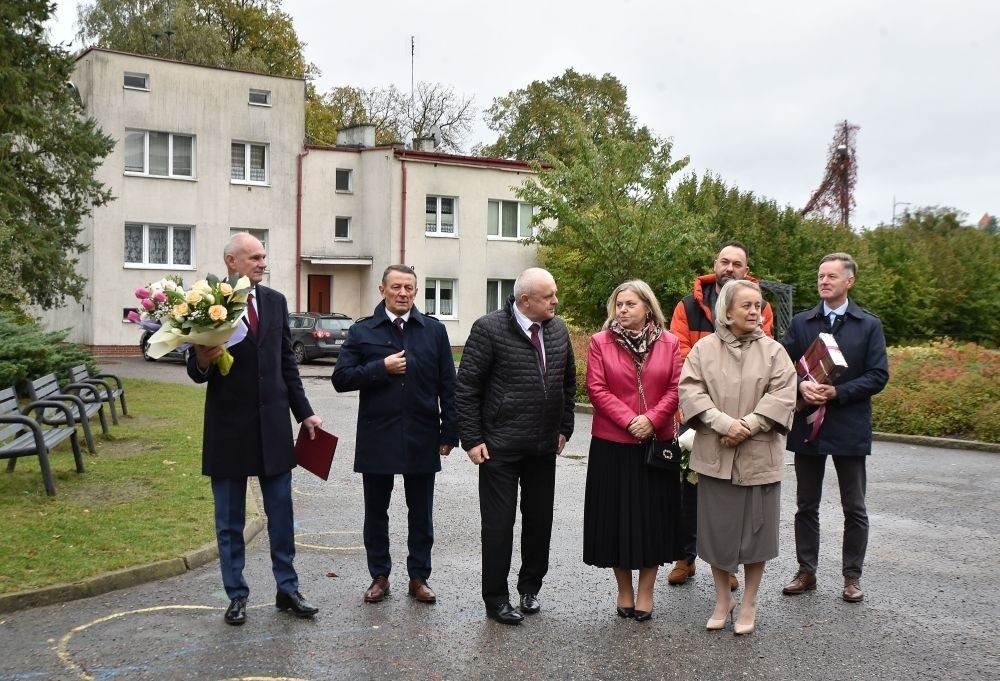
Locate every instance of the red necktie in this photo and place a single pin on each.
(252, 315)
(537, 342)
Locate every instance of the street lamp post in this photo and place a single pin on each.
(894, 204)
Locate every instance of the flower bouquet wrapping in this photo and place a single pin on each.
(209, 313)
(686, 442)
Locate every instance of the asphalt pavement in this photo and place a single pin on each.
(929, 613)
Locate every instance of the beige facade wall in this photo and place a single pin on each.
(376, 207)
(213, 106)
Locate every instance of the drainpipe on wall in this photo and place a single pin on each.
(298, 234)
(402, 238)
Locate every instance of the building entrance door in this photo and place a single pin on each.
(320, 286)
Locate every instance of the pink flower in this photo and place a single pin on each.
(148, 304)
(160, 297)
(133, 317)
(142, 292)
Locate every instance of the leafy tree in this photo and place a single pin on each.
(393, 113)
(533, 121)
(251, 35)
(49, 152)
(614, 218)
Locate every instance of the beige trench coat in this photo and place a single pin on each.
(739, 377)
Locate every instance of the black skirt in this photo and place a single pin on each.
(630, 510)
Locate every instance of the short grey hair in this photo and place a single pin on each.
(849, 264)
(529, 279)
(726, 296)
(646, 295)
(237, 243)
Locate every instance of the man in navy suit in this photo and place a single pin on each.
(248, 433)
(401, 362)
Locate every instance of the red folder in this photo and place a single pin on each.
(316, 455)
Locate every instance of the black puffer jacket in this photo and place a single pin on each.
(501, 395)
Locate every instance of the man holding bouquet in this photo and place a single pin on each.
(845, 432)
(248, 433)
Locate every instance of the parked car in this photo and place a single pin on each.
(175, 354)
(317, 335)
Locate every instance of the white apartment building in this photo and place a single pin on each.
(203, 152)
(454, 219)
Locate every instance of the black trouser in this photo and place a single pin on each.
(852, 477)
(419, 490)
(498, 482)
(687, 523)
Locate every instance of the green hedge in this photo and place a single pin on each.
(27, 352)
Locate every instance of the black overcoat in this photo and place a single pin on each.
(847, 425)
(247, 429)
(402, 419)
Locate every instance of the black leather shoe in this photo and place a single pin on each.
(627, 613)
(642, 615)
(504, 614)
(530, 604)
(236, 613)
(296, 603)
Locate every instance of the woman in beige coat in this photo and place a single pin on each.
(737, 391)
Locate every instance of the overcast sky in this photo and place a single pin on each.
(750, 90)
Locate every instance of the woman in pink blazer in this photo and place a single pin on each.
(633, 366)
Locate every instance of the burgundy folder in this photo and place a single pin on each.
(316, 455)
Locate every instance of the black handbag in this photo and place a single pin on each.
(664, 455)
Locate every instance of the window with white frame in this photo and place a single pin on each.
(342, 228)
(345, 180)
(250, 163)
(442, 215)
(509, 219)
(136, 81)
(260, 97)
(159, 154)
(439, 297)
(497, 293)
(155, 245)
(259, 234)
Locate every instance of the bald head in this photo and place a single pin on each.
(535, 294)
(245, 256)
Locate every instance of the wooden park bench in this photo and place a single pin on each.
(23, 434)
(84, 399)
(111, 388)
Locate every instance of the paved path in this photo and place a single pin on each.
(930, 613)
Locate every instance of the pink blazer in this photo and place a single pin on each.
(614, 390)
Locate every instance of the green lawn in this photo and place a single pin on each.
(142, 498)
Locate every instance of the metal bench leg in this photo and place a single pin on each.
(77, 454)
(43, 461)
(85, 422)
(104, 420)
(114, 411)
(124, 408)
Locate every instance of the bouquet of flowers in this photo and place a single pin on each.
(153, 303)
(209, 313)
(686, 442)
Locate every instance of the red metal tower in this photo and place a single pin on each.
(835, 197)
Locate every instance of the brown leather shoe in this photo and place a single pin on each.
(734, 582)
(803, 582)
(419, 590)
(852, 590)
(378, 590)
(681, 573)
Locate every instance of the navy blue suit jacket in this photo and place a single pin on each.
(247, 429)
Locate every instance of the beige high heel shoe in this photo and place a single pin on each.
(716, 624)
(741, 629)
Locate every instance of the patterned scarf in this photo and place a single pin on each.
(636, 343)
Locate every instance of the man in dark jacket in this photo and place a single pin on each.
(515, 395)
(248, 433)
(837, 421)
(692, 320)
(401, 362)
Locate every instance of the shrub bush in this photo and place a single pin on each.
(580, 339)
(943, 389)
(27, 352)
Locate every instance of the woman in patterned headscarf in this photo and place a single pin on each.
(633, 367)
